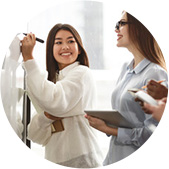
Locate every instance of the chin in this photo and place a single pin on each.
(118, 45)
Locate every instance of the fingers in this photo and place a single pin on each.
(152, 93)
(92, 121)
(153, 82)
(152, 85)
(156, 89)
(89, 118)
(164, 100)
(147, 108)
(32, 36)
(139, 101)
(27, 47)
(29, 38)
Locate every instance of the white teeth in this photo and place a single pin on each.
(65, 54)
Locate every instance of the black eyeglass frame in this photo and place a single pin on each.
(122, 23)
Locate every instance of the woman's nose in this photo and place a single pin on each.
(117, 30)
(65, 46)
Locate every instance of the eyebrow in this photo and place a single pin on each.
(122, 19)
(70, 37)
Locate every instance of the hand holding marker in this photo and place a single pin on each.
(37, 39)
(144, 87)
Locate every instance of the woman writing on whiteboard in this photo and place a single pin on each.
(148, 63)
(60, 96)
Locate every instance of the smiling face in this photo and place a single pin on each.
(65, 48)
(123, 33)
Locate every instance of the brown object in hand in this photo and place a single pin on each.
(57, 126)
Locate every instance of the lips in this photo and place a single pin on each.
(119, 36)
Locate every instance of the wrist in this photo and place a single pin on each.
(111, 131)
(26, 58)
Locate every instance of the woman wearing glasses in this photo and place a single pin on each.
(148, 63)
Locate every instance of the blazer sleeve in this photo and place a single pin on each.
(39, 130)
(60, 98)
(136, 136)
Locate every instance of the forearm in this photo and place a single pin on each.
(111, 131)
(101, 126)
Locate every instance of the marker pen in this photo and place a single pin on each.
(37, 39)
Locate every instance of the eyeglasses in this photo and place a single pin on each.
(121, 23)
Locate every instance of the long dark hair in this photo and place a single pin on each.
(51, 64)
(145, 42)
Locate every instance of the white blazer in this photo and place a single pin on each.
(74, 92)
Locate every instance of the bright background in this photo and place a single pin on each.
(15, 16)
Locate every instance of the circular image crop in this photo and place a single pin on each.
(85, 86)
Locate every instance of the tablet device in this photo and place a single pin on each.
(112, 118)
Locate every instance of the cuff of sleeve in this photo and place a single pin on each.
(30, 65)
(123, 135)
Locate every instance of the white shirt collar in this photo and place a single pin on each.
(65, 71)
